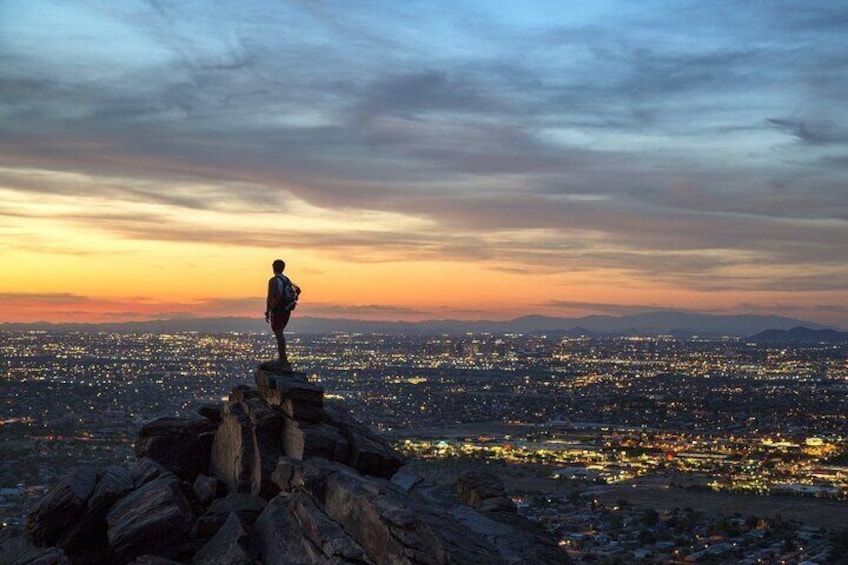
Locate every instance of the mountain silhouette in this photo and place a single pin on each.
(682, 324)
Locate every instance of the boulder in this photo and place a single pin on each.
(51, 521)
(115, 481)
(293, 530)
(207, 489)
(181, 445)
(229, 546)
(484, 491)
(211, 412)
(301, 410)
(247, 506)
(72, 515)
(235, 454)
(515, 538)
(389, 525)
(288, 475)
(257, 410)
(274, 388)
(302, 440)
(155, 518)
(87, 541)
(370, 454)
(267, 428)
(145, 470)
(292, 393)
(44, 556)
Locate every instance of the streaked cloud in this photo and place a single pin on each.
(360, 310)
(56, 307)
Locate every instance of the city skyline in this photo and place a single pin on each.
(423, 160)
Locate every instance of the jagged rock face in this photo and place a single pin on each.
(285, 480)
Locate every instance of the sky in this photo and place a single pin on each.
(423, 160)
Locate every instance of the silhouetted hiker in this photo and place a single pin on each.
(282, 299)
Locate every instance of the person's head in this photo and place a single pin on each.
(279, 266)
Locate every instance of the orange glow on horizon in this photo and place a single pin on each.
(90, 259)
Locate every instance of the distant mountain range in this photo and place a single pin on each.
(800, 335)
(681, 324)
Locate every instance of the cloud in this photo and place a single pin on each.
(424, 91)
(364, 309)
(28, 307)
(45, 299)
(616, 139)
(813, 133)
(230, 306)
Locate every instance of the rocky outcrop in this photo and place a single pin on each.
(276, 478)
(286, 416)
(77, 513)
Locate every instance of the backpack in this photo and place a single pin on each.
(288, 296)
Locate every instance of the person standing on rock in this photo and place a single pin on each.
(281, 300)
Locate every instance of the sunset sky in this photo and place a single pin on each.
(417, 160)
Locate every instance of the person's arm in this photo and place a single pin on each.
(270, 300)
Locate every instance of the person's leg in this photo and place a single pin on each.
(281, 345)
(278, 324)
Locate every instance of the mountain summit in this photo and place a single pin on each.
(275, 476)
